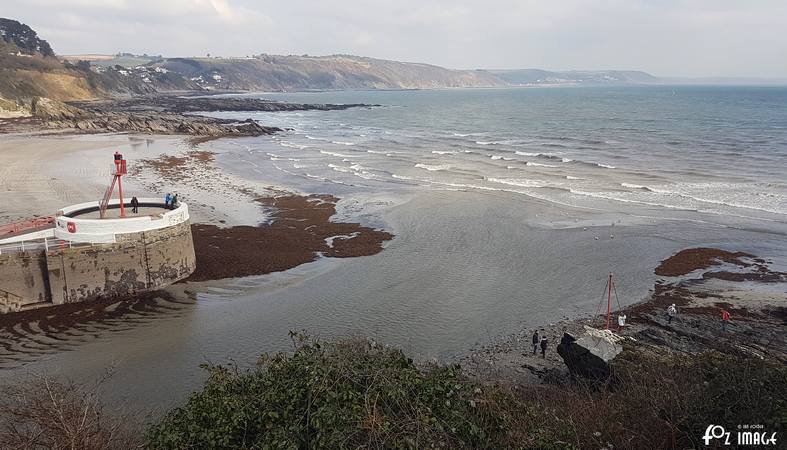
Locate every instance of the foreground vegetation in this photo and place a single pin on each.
(356, 394)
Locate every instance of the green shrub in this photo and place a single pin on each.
(332, 395)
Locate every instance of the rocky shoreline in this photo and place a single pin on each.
(187, 104)
(155, 115)
(756, 329)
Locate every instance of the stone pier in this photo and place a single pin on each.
(88, 259)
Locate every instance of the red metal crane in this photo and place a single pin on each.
(608, 290)
(117, 171)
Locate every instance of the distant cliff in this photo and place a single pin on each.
(29, 68)
(270, 72)
(535, 77)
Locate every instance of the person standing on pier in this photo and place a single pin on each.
(134, 205)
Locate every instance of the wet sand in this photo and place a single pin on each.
(41, 174)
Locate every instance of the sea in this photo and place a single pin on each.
(510, 207)
(712, 150)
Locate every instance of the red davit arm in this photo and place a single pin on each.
(120, 170)
(609, 299)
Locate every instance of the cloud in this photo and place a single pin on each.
(228, 13)
(666, 37)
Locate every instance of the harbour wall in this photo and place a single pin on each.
(23, 280)
(134, 263)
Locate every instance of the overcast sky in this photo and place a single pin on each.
(667, 37)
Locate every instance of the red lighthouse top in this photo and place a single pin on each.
(120, 164)
(118, 171)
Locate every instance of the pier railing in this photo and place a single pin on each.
(45, 244)
(39, 223)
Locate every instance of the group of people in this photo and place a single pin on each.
(672, 312)
(171, 201)
(540, 342)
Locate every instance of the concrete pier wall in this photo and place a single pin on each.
(23, 280)
(136, 262)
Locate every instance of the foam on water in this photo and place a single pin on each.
(338, 155)
(291, 145)
(519, 182)
(433, 167)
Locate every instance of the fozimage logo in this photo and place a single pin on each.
(745, 435)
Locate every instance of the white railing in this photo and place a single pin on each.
(46, 244)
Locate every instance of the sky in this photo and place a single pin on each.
(692, 38)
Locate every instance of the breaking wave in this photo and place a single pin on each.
(433, 167)
(338, 155)
(519, 182)
(293, 145)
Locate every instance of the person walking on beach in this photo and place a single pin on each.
(536, 340)
(544, 344)
(671, 313)
(167, 200)
(725, 317)
(134, 205)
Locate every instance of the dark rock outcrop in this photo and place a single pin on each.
(165, 115)
(179, 104)
(589, 356)
(162, 124)
(54, 114)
